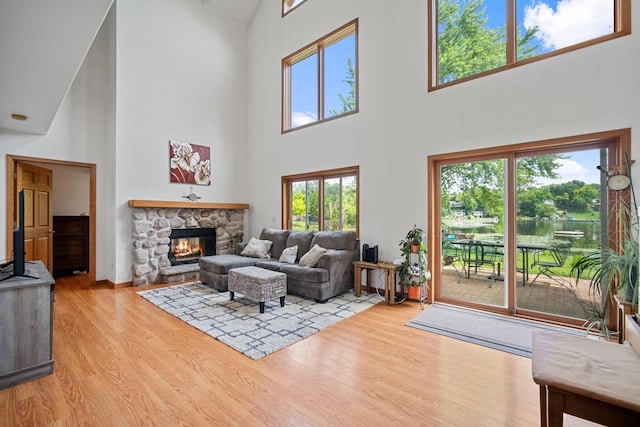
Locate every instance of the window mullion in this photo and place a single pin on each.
(320, 82)
(512, 32)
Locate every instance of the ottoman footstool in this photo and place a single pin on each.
(258, 284)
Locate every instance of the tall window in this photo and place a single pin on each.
(289, 5)
(470, 38)
(326, 200)
(320, 80)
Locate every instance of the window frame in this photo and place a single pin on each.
(285, 3)
(317, 47)
(622, 27)
(288, 180)
(619, 141)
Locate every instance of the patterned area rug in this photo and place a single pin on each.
(490, 330)
(239, 323)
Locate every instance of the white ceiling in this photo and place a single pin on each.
(43, 44)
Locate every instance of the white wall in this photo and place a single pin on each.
(399, 123)
(181, 74)
(79, 133)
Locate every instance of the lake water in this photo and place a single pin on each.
(536, 230)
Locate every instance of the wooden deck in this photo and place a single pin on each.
(543, 295)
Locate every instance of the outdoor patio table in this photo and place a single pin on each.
(476, 248)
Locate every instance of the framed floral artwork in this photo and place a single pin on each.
(190, 163)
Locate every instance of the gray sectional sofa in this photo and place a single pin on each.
(332, 275)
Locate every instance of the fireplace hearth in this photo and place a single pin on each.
(186, 246)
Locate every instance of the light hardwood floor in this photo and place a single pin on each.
(121, 361)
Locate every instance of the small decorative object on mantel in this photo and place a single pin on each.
(190, 163)
(192, 196)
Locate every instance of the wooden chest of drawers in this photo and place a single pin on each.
(70, 244)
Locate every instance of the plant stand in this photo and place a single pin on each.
(416, 275)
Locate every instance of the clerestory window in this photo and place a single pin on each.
(320, 81)
(472, 38)
(289, 5)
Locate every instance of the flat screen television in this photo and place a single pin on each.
(18, 238)
(18, 261)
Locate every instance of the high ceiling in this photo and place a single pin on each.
(42, 46)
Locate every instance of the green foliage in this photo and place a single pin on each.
(614, 270)
(298, 204)
(530, 169)
(535, 203)
(479, 185)
(414, 237)
(574, 195)
(349, 101)
(340, 205)
(467, 46)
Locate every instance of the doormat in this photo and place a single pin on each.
(239, 323)
(487, 329)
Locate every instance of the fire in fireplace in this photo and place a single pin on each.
(187, 245)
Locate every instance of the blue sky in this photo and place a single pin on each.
(561, 22)
(578, 165)
(304, 83)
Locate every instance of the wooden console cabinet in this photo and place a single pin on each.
(70, 244)
(26, 335)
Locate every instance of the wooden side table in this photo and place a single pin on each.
(388, 271)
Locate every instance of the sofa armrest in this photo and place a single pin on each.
(340, 266)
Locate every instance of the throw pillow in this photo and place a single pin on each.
(310, 259)
(257, 248)
(289, 254)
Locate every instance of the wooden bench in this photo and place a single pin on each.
(595, 380)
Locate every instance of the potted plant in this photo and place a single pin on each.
(413, 270)
(614, 270)
(415, 238)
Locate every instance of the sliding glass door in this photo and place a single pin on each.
(472, 212)
(510, 223)
(560, 217)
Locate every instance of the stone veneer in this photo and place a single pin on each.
(152, 228)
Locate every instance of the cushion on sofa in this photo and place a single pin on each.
(305, 274)
(335, 240)
(271, 264)
(301, 239)
(279, 239)
(310, 259)
(289, 254)
(257, 248)
(221, 264)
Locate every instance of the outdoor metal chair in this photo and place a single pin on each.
(548, 259)
(452, 253)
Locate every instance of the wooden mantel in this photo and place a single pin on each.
(185, 204)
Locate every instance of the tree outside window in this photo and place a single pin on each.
(326, 200)
(472, 37)
(320, 80)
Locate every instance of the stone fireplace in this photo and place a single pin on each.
(155, 221)
(187, 245)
